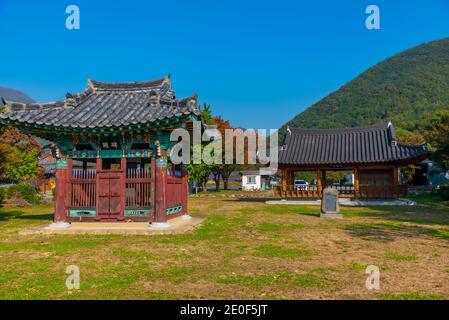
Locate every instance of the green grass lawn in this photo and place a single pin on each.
(245, 250)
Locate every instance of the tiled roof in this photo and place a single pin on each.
(105, 104)
(49, 166)
(369, 144)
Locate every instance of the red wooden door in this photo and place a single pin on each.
(109, 192)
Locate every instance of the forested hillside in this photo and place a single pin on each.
(407, 89)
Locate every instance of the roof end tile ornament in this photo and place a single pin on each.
(192, 104)
(91, 85)
(7, 106)
(3, 105)
(69, 101)
(392, 134)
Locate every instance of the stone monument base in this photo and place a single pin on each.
(331, 215)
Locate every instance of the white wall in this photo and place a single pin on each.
(247, 186)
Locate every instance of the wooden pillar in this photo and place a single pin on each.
(395, 176)
(61, 214)
(153, 188)
(123, 187)
(291, 183)
(284, 179)
(356, 182)
(319, 182)
(395, 192)
(99, 164)
(98, 167)
(160, 190)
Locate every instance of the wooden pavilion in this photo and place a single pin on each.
(371, 153)
(111, 143)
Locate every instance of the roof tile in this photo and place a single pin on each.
(105, 104)
(368, 144)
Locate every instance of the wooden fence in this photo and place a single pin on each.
(82, 191)
(138, 188)
(174, 191)
(344, 191)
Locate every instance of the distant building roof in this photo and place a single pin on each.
(105, 104)
(47, 162)
(249, 173)
(368, 144)
(261, 172)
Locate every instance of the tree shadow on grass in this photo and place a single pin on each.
(20, 215)
(44, 216)
(422, 215)
(386, 232)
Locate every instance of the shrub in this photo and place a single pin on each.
(2, 195)
(24, 191)
(443, 192)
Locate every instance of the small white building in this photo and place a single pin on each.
(251, 181)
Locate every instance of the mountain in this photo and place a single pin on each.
(17, 96)
(14, 95)
(405, 89)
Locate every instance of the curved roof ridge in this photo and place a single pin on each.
(20, 106)
(190, 103)
(119, 104)
(136, 85)
(382, 126)
(423, 145)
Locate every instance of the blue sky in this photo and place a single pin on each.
(259, 63)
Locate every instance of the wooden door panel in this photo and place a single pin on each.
(109, 193)
(114, 186)
(103, 205)
(103, 185)
(114, 205)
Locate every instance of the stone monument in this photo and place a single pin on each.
(329, 204)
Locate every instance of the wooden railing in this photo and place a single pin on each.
(344, 189)
(365, 191)
(138, 188)
(382, 192)
(82, 192)
(310, 191)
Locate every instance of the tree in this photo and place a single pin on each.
(19, 155)
(408, 137)
(200, 172)
(437, 135)
(223, 170)
(408, 173)
(23, 166)
(226, 170)
(206, 114)
(217, 174)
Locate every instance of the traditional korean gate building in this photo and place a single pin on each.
(371, 153)
(112, 143)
